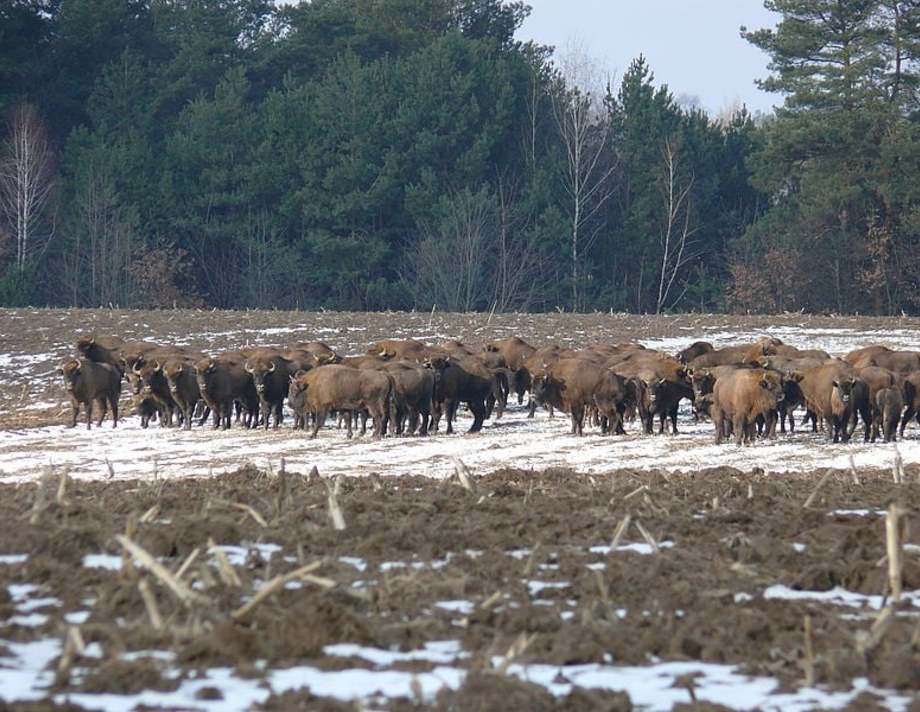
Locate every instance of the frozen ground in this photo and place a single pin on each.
(33, 397)
(513, 441)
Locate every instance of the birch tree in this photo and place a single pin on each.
(27, 182)
(586, 169)
(676, 227)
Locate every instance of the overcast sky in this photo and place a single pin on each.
(694, 46)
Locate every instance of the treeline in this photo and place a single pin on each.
(399, 154)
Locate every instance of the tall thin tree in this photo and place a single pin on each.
(26, 182)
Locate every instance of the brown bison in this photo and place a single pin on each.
(342, 388)
(575, 386)
(740, 399)
(834, 394)
(87, 382)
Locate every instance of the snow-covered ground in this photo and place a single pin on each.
(513, 441)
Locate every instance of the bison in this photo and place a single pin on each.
(270, 373)
(183, 387)
(223, 381)
(87, 382)
(575, 386)
(888, 404)
(740, 399)
(342, 388)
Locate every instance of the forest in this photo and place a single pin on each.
(415, 154)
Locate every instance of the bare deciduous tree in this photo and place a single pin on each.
(27, 181)
(584, 131)
(103, 244)
(450, 267)
(676, 227)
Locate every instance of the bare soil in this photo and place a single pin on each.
(700, 599)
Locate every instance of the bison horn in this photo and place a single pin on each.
(272, 369)
(92, 340)
(157, 366)
(247, 368)
(135, 368)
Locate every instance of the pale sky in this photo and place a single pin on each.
(693, 46)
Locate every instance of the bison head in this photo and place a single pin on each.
(844, 389)
(85, 343)
(70, 370)
(259, 369)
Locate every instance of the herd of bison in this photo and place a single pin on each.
(407, 387)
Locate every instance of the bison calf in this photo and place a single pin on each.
(87, 381)
(888, 406)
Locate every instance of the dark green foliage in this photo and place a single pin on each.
(375, 154)
(840, 159)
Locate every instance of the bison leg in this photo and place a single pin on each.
(578, 420)
(531, 407)
(673, 415)
(75, 412)
(423, 427)
(89, 413)
(450, 408)
(739, 427)
(113, 401)
(908, 414)
(478, 409)
(318, 417)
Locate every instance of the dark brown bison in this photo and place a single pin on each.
(342, 388)
(665, 384)
(462, 381)
(102, 349)
(223, 381)
(183, 387)
(697, 348)
(515, 351)
(888, 404)
(876, 379)
(415, 388)
(133, 351)
(88, 382)
(911, 386)
(270, 373)
(151, 384)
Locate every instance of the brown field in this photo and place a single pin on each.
(724, 588)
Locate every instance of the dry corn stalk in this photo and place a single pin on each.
(814, 492)
(275, 585)
(894, 550)
(150, 603)
(620, 532)
(464, 476)
(181, 591)
(227, 573)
